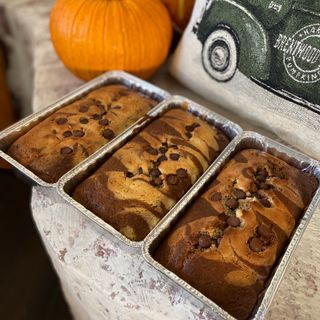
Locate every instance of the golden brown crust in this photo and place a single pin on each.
(227, 242)
(144, 179)
(74, 132)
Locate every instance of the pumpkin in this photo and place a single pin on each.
(94, 36)
(180, 11)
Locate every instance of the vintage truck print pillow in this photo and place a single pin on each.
(261, 59)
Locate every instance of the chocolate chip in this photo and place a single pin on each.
(156, 181)
(188, 135)
(163, 150)
(104, 122)
(265, 202)
(196, 125)
(108, 134)
(61, 121)
(217, 196)
(233, 221)
(232, 203)
(182, 173)
(129, 174)
(165, 144)
(152, 151)
(204, 241)
(263, 173)
(162, 158)
(172, 179)
(264, 231)
(255, 244)
(240, 194)
(67, 134)
(140, 170)
(174, 156)
(260, 178)
(264, 186)
(83, 108)
(189, 128)
(97, 117)
(66, 150)
(78, 133)
(84, 120)
(155, 172)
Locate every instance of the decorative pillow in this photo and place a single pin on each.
(260, 59)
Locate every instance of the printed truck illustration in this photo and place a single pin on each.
(275, 43)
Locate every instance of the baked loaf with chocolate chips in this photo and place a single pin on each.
(145, 178)
(227, 242)
(74, 132)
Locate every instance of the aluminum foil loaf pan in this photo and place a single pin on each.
(11, 134)
(68, 183)
(248, 140)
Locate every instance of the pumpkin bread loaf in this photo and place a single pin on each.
(145, 178)
(227, 242)
(74, 132)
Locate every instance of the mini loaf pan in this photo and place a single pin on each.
(11, 134)
(68, 182)
(246, 141)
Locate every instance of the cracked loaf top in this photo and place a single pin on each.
(74, 132)
(227, 242)
(145, 178)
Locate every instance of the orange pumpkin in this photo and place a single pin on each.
(180, 11)
(94, 36)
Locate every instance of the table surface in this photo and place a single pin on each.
(297, 296)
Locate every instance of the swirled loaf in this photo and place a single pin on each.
(226, 244)
(145, 178)
(74, 132)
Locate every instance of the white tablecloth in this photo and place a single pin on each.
(100, 279)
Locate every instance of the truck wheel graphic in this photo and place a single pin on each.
(220, 55)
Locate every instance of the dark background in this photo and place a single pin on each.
(29, 287)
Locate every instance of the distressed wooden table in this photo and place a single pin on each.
(100, 279)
